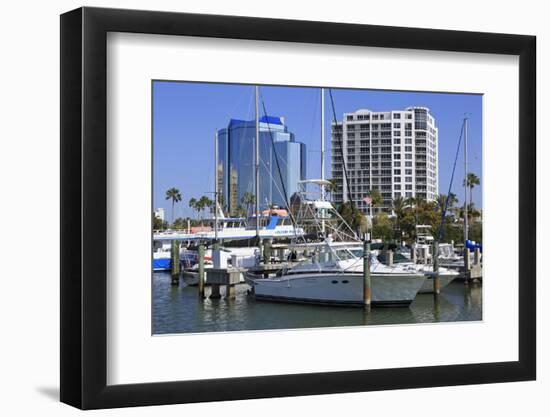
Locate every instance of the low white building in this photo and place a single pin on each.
(159, 213)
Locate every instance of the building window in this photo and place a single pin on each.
(349, 118)
(396, 133)
(396, 172)
(408, 156)
(408, 194)
(408, 179)
(396, 141)
(408, 172)
(408, 141)
(397, 148)
(396, 179)
(374, 117)
(397, 187)
(397, 115)
(408, 163)
(408, 187)
(396, 156)
(408, 148)
(397, 125)
(409, 116)
(381, 117)
(397, 164)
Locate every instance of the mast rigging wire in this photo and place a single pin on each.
(444, 212)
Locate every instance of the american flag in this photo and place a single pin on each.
(368, 200)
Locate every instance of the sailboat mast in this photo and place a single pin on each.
(465, 179)
(323, 140)
(323, 154)
(257, 161)
(216, 186)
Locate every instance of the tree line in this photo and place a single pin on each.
(409, 212)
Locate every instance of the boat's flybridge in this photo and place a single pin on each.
(319, 214)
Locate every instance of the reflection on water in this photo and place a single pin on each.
(178, 310)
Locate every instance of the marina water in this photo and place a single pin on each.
(178, 310)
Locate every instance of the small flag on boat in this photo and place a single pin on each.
(368, 200)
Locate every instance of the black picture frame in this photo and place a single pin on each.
(84, 207)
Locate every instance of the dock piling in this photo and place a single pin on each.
(215, 293)
(260, 249)
(477, 256)
(367, 291)
(201, 271)
(476, 269)
(467, 265)
(435, 261)
(413, 253)
(267, 251)
(175, 261)
(389, 256)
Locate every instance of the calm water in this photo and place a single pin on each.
(178, 310)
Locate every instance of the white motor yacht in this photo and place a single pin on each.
(334, 276)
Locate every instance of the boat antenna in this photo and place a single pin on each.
(257, 161)
(216, 190)
(323, 156)
(465, 179)
(444, 211)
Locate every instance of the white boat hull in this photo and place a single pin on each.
(339, 288)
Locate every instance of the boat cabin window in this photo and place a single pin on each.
(233, 224)
(252, 222)
(345, 254)
(283, 221)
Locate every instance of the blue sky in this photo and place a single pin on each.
(186, 116)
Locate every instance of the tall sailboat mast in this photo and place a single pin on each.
(257, 161)
(216, 186)
(323, 153)
(465, 179)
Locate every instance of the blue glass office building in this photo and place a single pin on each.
(236, 162)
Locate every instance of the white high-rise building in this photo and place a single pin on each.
(394, 152)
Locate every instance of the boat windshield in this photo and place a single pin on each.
(345, 254)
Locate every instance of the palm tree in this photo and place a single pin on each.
(472, 212)
(376, 198)
(416, 203)
(471, 181)
(398, 206)
(442, 201)
(203, 203)
(332, 187)
(174, 195)
(193, 204)
(248, 199)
